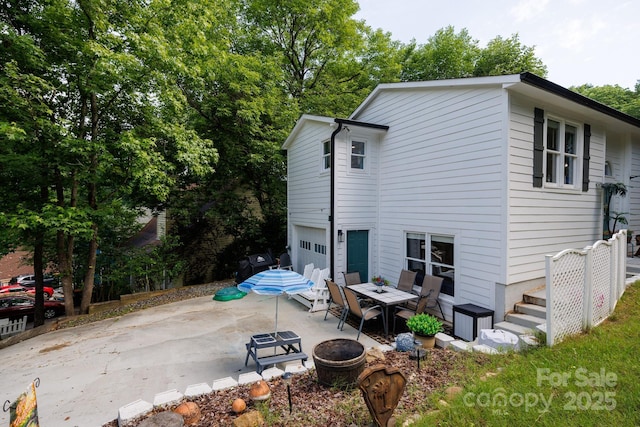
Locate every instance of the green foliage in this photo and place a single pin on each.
(424, 324)
(625, 100)
(610, 190)
(508, 56)
(445, 55)
(448, 54)
(587, 380)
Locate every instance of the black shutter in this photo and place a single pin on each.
(586, 157)
(538, 146)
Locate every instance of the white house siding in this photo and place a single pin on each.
(634, 188)
(357, 193)
(308, 189)
(545, 221)
(449, 141)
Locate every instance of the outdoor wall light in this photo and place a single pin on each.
(340, 236)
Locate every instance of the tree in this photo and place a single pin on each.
(330, 60)
(625, 100)
(449, 55)
(508, 56)
(108, 132)
(445, 55)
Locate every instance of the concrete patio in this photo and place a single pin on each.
(88, 372)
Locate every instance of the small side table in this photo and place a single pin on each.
(468, 319)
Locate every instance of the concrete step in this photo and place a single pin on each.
(531, 309)
(525, 320)
(536, 296)
(514, 328)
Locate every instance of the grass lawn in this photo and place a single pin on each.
(588, 380)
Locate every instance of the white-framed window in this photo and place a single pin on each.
(326, 155)
(440, 262)
(358, 155)
(563, 148)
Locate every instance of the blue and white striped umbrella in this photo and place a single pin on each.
(276, 282)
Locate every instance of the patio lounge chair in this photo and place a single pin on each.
(364, 313)
(352, 278)
(308, 269)
(337, 298)
(405, 282)
(316, 298)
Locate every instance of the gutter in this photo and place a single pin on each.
(332, 206)
(548, 86)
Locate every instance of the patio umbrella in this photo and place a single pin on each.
(276, 282)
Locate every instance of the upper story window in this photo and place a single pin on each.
(562, 151)
(326, 155)
(358, 155)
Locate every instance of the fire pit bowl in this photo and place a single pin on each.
(339, 362)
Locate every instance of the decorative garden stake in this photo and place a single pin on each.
(286, 377)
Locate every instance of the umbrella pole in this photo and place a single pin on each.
(276, 331)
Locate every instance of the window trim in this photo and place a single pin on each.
(560, 154)
(325, 157)
(364, 156)
(429, 263)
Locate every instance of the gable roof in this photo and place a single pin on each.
(526, 83)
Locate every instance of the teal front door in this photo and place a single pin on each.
(358, 253)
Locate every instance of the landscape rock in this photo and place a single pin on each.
(163, 419)
(374, 354)
(250, 419)
(452, 392)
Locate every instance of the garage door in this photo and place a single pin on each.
(311, 247)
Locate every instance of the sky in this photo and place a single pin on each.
(580, 41)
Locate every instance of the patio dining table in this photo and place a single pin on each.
(390, 296)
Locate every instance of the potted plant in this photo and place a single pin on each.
(379, 281)
(425, 327)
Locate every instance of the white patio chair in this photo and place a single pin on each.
(308, 269)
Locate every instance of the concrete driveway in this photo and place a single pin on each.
(88, 372)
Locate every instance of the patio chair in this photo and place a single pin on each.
(364, 313)
(308, 269)
(431, 286)
(336, 298)
(352, 278)
(405, 312)
(285, 262)
(315, 275)
(406, 280)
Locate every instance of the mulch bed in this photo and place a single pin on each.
(316, 405)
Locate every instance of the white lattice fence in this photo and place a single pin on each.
(583, 286)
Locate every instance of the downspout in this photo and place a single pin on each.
(332, 205)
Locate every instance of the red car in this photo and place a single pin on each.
(48, 291)
(16, 306)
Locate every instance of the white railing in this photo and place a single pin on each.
(583, 286)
